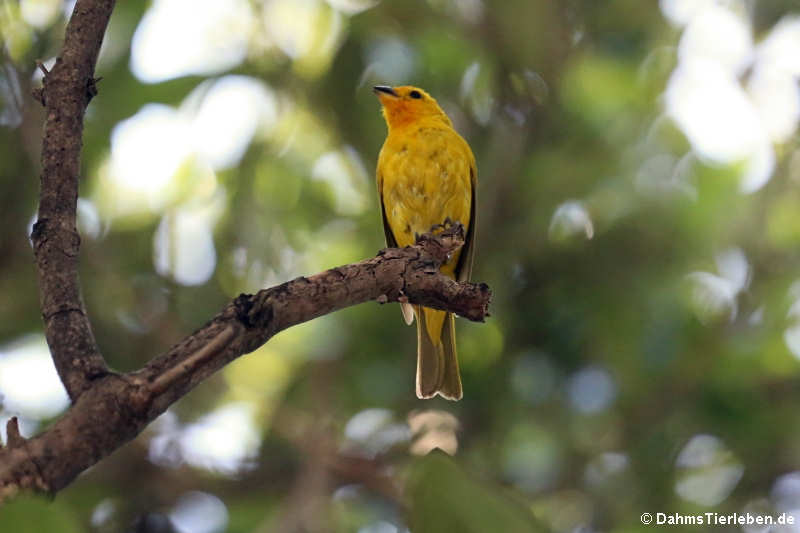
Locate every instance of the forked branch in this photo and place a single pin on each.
(109, 409)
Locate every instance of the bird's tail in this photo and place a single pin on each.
(437, 364)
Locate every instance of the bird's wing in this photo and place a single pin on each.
(407, 309)
(464, 267)
(387, 230)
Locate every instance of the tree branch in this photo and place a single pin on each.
(66, 93)
(117, 407)
(109, 409)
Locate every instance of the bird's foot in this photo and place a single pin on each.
(444, 226)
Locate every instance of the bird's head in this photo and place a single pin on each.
(407, 105)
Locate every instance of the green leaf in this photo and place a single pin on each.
(27, 514)
(445, 498)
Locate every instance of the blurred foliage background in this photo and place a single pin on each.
(639, 184)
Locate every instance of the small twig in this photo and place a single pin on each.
(41, 67)
(13, 437)
(38, 92)
(185, 367)
(91, 88)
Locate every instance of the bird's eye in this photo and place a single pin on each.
(415, 94)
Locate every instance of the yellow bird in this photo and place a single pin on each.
(426, 175)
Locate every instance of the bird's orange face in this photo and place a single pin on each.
(407, 104)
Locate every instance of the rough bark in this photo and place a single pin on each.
(109, 409)
(66, 92)
(117, 407)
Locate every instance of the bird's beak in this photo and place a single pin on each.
(383, 89)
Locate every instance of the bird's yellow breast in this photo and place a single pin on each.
(425, 174)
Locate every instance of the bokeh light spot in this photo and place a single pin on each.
(390, 60)
(29, 384)
(603, 468)
(680, 12)
(11, 102)
(351, 7)
(133, 182)
(714, 297)
(373, 431)
(40, 13)
(718, 35)
(183, 246)
(707, 471)
(199, 512)
(227, 113)
(432, 429)
(533, 378)
(346, 175)
(532, 458)
(591, 390)
(307, 31)
(785, 493)
(570, 219)
(713, 111)
(225, 440)
(212, 37)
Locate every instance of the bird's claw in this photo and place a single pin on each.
(444, 226)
